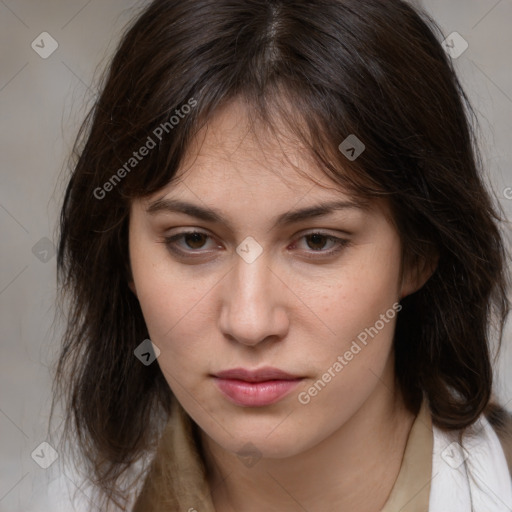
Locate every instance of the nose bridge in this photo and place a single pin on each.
(251, 302)
(252, 280)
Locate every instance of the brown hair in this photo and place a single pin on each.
(328, 69)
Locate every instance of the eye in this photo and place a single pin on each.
(317, 241)
(193, 241)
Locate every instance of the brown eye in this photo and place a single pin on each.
(317, 241)
(191, 243)
(194, 240)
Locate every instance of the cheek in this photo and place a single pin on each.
(366, 286)
(360, 305)
(362, 335)
(173, 313)
(173, 304)
(352, 364)
(374, 282)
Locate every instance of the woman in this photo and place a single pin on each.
(283, 268)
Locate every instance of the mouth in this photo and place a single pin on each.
(255, 388)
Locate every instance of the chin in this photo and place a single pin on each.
(262, 439)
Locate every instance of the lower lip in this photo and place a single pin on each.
(255, 394)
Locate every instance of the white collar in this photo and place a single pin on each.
(472, 478)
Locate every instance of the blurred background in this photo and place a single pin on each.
(50, 58)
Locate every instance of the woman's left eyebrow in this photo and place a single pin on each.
(215, 216)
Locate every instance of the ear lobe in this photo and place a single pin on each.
(418, 274)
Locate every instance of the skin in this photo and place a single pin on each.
(215, 311)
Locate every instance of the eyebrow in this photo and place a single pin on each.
(287, 218)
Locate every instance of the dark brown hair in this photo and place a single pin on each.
(328, 69)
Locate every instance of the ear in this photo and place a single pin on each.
(417, 273)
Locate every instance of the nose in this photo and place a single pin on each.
(253, 308)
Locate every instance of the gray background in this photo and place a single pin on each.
(42, 102)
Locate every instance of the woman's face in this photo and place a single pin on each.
(256, 288)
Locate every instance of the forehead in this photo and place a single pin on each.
(234, 144)
(237, 162)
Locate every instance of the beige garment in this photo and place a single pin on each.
(177, 481)
(412, 487)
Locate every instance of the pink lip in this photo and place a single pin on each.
(255, 388)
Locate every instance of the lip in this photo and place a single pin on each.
(255, 388)
(259, 375)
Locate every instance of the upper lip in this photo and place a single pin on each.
(259, 375)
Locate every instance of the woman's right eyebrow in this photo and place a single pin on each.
(215, 216)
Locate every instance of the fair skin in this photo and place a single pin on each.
(298, 306)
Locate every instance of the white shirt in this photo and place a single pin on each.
(473, 477)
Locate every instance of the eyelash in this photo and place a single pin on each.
(341, 243)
